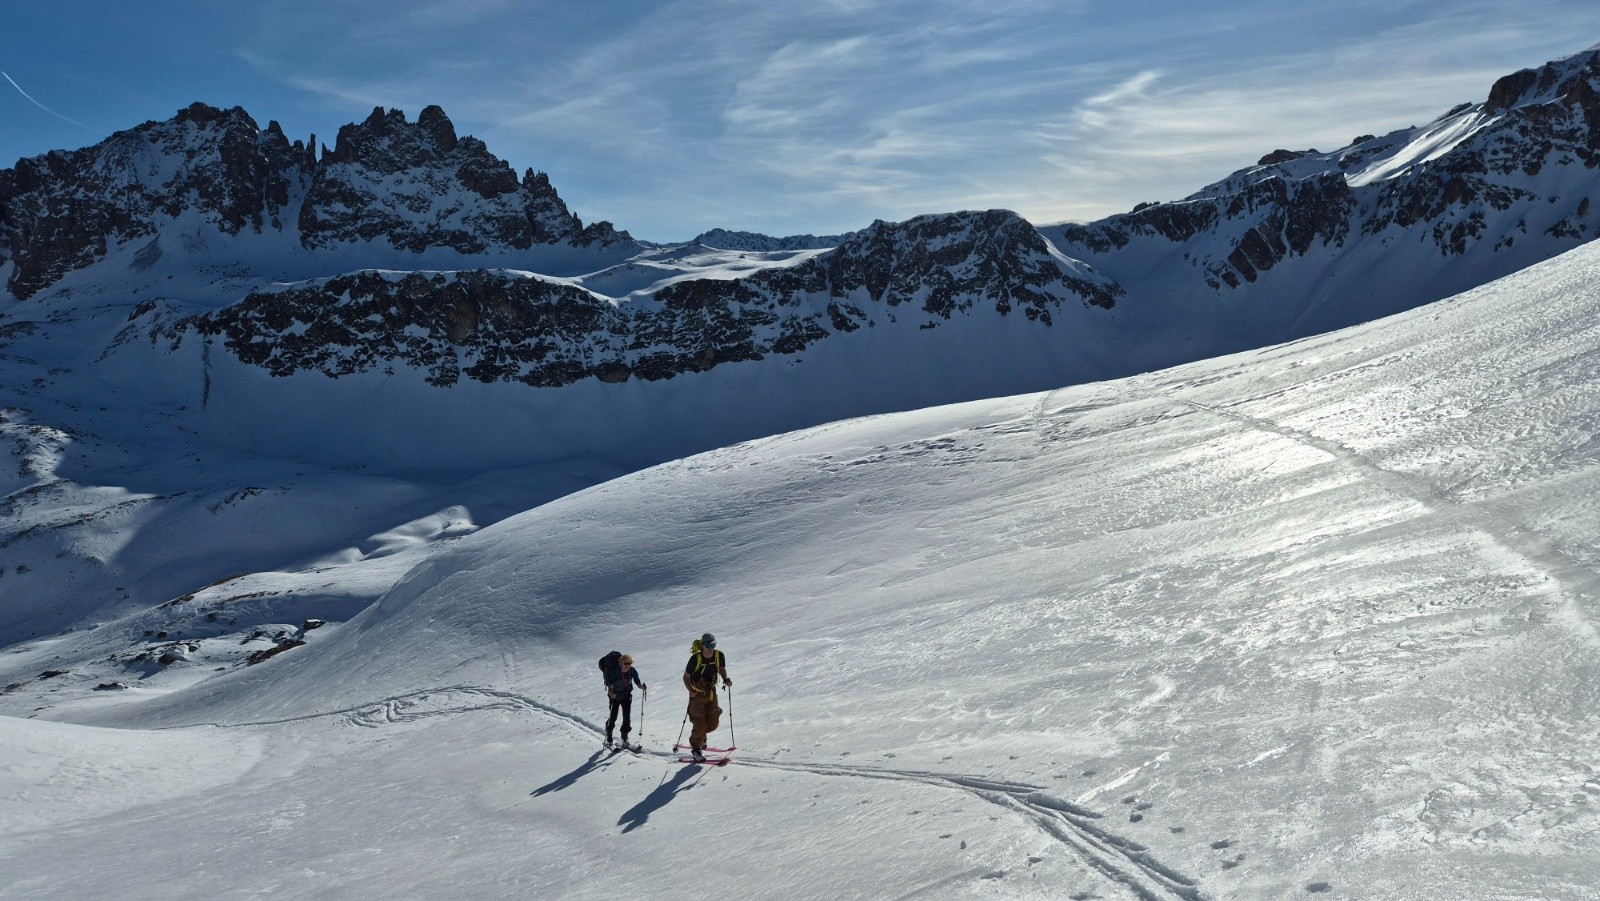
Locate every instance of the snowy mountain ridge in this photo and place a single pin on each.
(547, 333)
(1413, 216)
(1511, 175)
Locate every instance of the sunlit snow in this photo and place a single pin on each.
(1317, 620)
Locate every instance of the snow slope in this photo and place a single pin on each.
(175, 416)
(1318, 620)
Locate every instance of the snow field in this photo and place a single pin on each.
(1317, 620)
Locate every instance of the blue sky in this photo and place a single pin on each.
(669, 118)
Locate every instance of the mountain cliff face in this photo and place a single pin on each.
(1514, 173)
(61, 211)
(418, 186)
(410, 186)
(500, 326)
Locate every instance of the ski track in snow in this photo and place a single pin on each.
(1574, 583)
(1120, 860)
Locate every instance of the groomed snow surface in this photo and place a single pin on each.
(1315, 621)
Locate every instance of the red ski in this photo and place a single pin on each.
(706, 748)
(709, 761)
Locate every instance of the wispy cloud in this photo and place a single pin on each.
(670, 117)
(1154, 133)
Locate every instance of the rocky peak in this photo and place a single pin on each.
(1571, 81)
(65, 209)
(385, 141)
(205, 115)
(437, 126)
(414, 185)
(951, 261)
(1284, 156)
(1510, 89)
(419, 185)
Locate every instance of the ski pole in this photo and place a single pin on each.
(732, 743)
(679, 743)
(643, 697)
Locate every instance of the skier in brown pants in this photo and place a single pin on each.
(706, 664)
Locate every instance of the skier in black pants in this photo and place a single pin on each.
(619, 687)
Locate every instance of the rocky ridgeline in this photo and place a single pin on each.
(491, 325)
(414, 185)
(722, 239)
(1503, 183)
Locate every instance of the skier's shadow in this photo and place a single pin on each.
(664, 793)
(593, 763)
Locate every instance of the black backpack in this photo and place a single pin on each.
(610, 665)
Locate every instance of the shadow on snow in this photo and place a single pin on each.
(594, 762)
(664, 793)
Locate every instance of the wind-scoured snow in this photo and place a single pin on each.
(1422, 145)
(1318, 620)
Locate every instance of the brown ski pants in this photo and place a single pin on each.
(704, 715)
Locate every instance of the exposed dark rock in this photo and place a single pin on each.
(1283, 156)
(1507, 91)
(737, 240)
(493, 326)
(275, 650)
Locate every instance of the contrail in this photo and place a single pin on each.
(48, 109)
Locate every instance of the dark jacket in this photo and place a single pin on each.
(622, 685)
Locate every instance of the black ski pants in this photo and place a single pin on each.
(623, 703)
